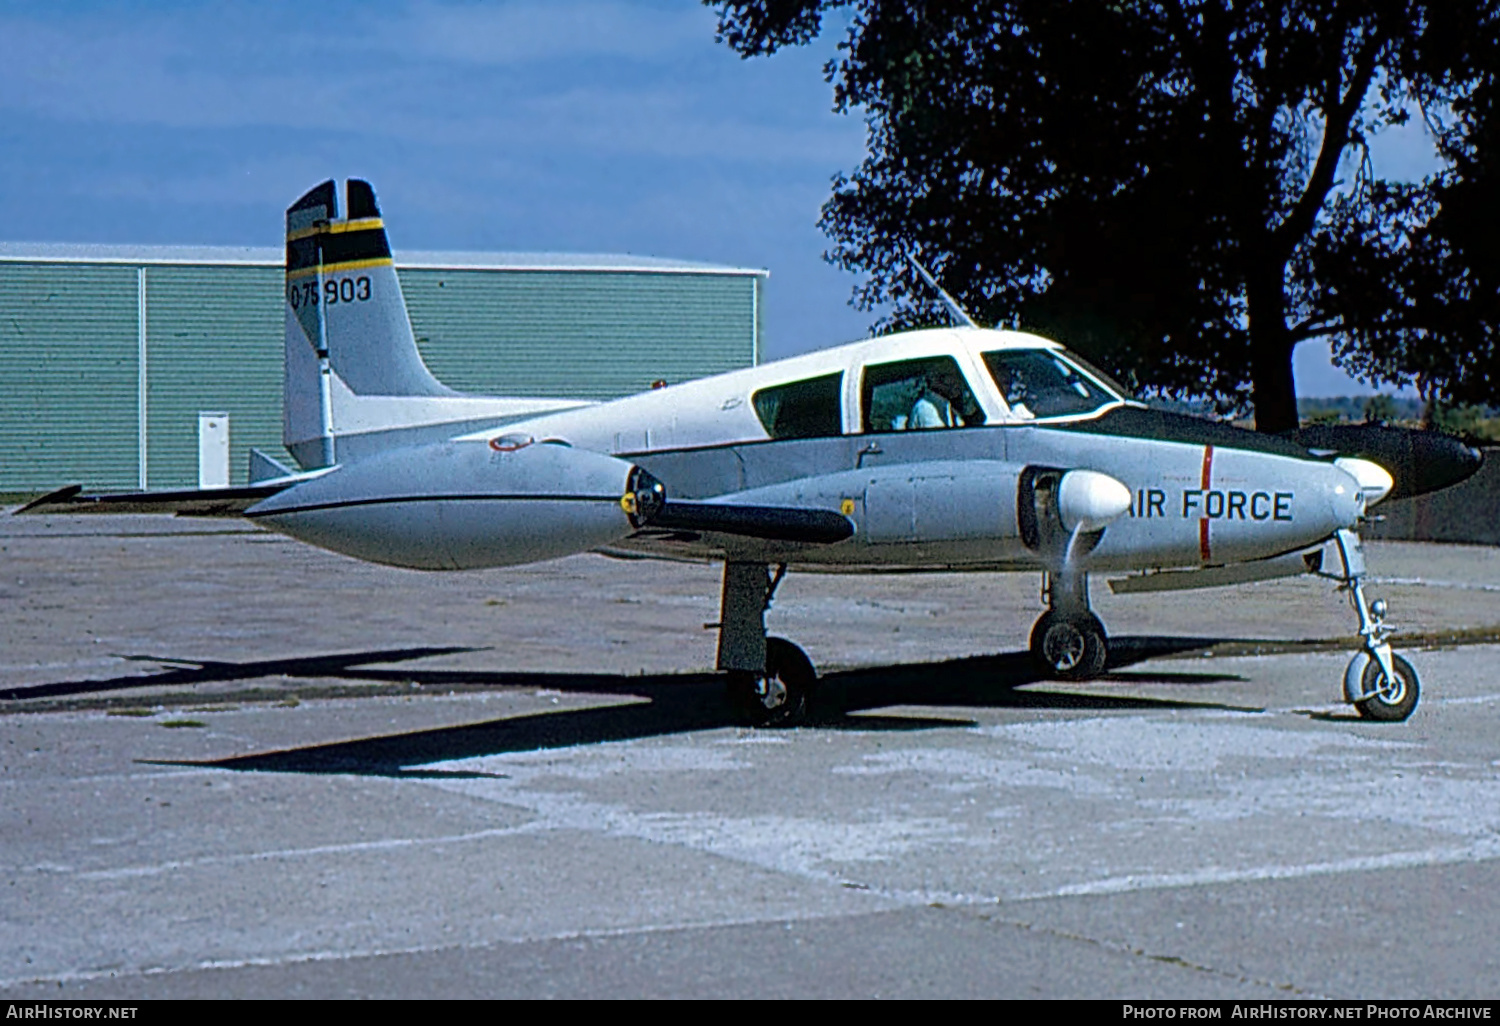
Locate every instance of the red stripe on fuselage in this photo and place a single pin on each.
(1208, 466)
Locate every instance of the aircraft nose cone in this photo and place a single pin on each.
(1435, 461)
(1418, 461)
(1088, 500)
(1454, 462)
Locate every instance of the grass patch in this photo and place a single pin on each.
(1417, 640)
(131, 712)
(183, 723)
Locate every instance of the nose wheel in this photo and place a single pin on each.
(1388, 697)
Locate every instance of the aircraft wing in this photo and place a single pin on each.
(766, 523)
(194, 502)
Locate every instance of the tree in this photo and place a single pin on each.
(1181, 190)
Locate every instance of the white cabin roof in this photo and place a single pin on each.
(903, 345)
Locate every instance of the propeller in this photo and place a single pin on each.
(1080, 503)
(1087, 503)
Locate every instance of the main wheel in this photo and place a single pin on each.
(780, 696)
(1390, 700)
(1069, 647)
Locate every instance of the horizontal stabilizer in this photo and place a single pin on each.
(265, 468)
(772, 523)
(1290, 565)
(196, 502)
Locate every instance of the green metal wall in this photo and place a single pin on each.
(67, 376)
(69, 338)
(582, 334)
(214, 339)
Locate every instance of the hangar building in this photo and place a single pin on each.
(108, 354)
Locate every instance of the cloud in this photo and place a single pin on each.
(575, 124)
(673, 123)
(159, 71)
(524, 33)
(592, 76)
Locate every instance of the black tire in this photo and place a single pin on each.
(792, 680)
(1069, 647)
(1392, 701)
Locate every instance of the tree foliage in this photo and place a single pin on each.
(1181, 190)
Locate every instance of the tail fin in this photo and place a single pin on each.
(355, 382)
(347, 329)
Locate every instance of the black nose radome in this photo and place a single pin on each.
(1418, 461)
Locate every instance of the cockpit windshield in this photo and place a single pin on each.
(1045, 383)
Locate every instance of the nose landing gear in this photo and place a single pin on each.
(1377, 682)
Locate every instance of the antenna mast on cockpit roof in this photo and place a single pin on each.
(957, 312)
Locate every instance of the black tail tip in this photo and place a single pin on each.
(321, 202)
(361, 200)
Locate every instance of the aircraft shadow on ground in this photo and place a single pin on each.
(191, 671)
(663, 705)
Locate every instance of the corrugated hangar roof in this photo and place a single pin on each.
(266, 256)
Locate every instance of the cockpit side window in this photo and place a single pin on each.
(1111, 384)
(802, 409)
(1040, 383)
(914, 395)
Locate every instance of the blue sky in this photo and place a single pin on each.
(569, 125)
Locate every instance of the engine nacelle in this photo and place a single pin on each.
(464, 505)
(937, 502)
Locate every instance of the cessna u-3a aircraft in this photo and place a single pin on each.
(941, 449)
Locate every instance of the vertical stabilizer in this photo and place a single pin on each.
(347, 330)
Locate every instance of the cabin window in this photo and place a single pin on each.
(915, 395)
(802, 409)
(1040, 383)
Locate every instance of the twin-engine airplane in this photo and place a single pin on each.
(944, 449)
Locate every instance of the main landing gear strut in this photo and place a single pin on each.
(770, 680)
(1068, 642)
(1377, 682)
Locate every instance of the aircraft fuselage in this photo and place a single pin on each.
(955, 499)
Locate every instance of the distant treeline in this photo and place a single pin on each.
(1361, 407)
(1479, 424)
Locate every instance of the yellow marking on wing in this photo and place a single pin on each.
(335, 228)
(847, 507)
(347, 265)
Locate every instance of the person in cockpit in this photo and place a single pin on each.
(943, 400)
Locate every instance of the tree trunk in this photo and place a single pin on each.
(1273, 387)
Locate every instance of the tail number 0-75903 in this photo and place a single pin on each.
(335, 290)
